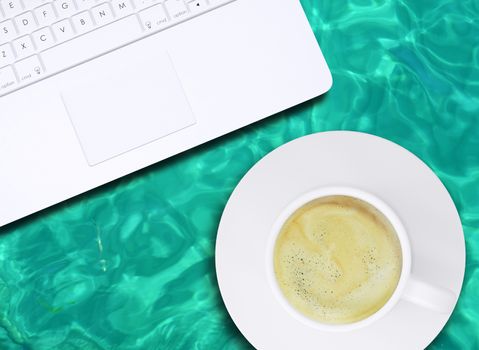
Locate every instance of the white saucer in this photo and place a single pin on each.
(351, 159)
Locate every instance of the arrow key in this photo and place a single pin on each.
(197, 6)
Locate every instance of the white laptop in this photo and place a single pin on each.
(91, 90)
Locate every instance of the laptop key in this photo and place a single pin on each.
(45, 15)
(83, 22)
(102, 14)
(23, 47)
(7, 31)
(65, 8)
(142, 4)
(153, 18)
(197, 6)
(86, 4)
(35, 3)
(29, 69)
(8, 81)
(176, 8)
(11, 8)
(63, 30)
(6, 55)
(122, 8)
(25, 23)
(43, 38)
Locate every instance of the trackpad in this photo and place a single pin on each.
(117, 107)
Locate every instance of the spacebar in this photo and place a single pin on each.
(91, 45)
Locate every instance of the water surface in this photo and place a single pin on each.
(131, 265)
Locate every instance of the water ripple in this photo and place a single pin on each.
(131, 265)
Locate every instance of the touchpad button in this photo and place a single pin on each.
(116, 108)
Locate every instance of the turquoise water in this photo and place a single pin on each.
(131, 265)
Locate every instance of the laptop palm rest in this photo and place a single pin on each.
(155, 105)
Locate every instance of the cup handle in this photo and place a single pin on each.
(434, 298)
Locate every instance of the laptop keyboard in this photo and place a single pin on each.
(39, 38)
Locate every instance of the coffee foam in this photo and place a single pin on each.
(337, 260)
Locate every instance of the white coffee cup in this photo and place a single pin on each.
(409, 287)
